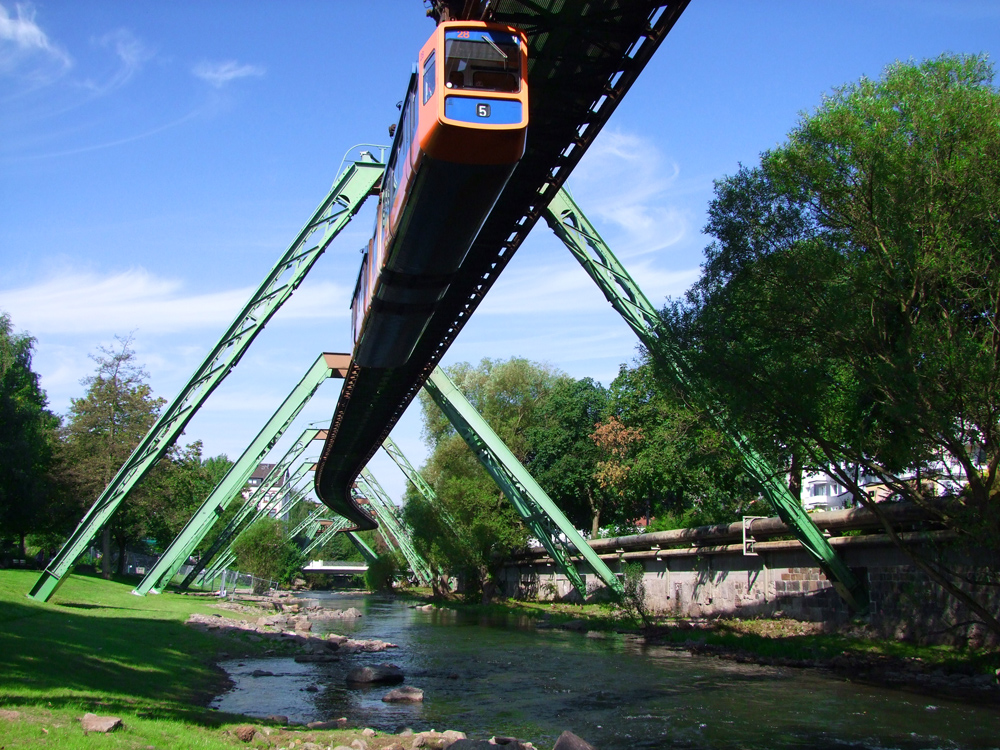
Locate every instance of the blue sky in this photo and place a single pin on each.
(157, 158)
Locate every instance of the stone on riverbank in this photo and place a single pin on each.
(334, 724)
(404, 695)
(436, 740)
(378, 674)
(103, 724)
(245, 732)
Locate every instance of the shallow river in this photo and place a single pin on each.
(614, 692)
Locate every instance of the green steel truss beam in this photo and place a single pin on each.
(425, 490)
(343, 201)
(310, 524)
(385, 509)
(326, 534)
(274, 477)
(326, 366)
(366, 552)
(542, 516)
(579, 235)
(407, 468)
(279, 502)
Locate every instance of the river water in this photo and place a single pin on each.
(501, 675)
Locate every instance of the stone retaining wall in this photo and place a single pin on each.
(904, 602)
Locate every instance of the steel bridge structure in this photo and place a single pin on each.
(584, 55)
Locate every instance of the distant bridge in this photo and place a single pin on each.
(337, 567)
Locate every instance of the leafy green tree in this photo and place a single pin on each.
(265, 551)
(26, 439)
(102, 429)
(564, 459)
(509, 395)
(684, 472)
(848, 312)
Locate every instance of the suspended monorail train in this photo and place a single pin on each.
(461, 132)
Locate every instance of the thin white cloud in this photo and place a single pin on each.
(26, 49)
(87, 303)
(566, 289)
(218, 74)
(132, 54)
(624, 179)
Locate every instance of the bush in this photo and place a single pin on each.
(382, 572)
(266, 552)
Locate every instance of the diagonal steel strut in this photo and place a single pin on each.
(540, 513)
(180, 549)
(582, 239)
(343, 201)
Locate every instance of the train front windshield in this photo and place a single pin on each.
(482, 61)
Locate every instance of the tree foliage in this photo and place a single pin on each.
(27, 437)
(849, 310)
(265, 551)
(509, 395)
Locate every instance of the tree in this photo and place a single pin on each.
(849, 310)
(102, 430)
(685, 471)
(564, 459)
(26, 438)
(509, 395)
(265, 552)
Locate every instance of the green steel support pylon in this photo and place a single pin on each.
(385, 510)
(310, 524)
(257, 497)
(542, 516)
(287, 498)
(366, 552)
(326, 366)
(326, 534)
(579, 235)
(353, 186)
(425, 490)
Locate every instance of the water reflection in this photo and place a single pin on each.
(498, 674)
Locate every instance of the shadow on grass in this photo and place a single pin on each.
(150, 667)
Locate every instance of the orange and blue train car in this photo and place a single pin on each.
(461, 132)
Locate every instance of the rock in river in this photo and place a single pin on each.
(377, 674)
(404, 695)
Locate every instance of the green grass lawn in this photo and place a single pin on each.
(96, 647)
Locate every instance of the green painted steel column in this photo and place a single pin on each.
(250, 506)
(312, 520)
(180, 549)
(366, 552)
(350, 191)
(582, 239)
(540, 514)
(385, 509)
(326, 534)
(290, 492)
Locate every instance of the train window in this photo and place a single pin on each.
(482, 60)
(428, 78)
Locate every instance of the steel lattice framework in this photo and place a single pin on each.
(349, 192)
(585, 243)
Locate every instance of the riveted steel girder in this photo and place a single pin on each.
(582, 239)
(260, 497)
(387, 514)
(350, 191)
(542, 516)
(326, 366)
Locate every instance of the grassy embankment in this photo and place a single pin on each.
(95, 647)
